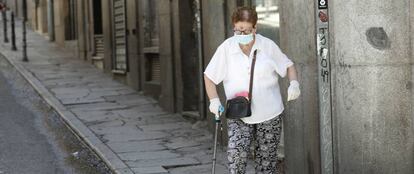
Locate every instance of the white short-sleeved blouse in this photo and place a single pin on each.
(232, 67)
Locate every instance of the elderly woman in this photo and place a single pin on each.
(231, 64)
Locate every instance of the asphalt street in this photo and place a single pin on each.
(25, 146)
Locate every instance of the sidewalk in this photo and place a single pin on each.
(129, 131)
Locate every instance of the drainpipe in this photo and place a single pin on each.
(225, 20)
(51, 21)
(324, 86)
(201, 96)
(36, 15)
(85, 30)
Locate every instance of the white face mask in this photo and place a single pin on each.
(244, 39)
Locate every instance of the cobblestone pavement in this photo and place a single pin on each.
(146, 138)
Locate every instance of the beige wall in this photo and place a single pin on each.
(12, 4)
(214, 33)
(19, 7)
(39, 17)
(31, 14)
(42, 16)
(106, 22)
(82, 33)
(16, 6)
(371, 65)
(61, 11)
(301, 122)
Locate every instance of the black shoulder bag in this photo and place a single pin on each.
(240, 107)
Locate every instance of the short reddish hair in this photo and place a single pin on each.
(244, 14)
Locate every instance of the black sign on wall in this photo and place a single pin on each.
(322, 4)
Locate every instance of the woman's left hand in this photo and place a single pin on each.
(293, 90)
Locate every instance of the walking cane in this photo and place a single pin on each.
(217, 120)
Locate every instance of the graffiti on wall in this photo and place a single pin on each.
(324, 85)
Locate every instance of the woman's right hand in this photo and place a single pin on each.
(215, 105)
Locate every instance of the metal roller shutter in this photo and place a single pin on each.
(119, 30)
(155, 70)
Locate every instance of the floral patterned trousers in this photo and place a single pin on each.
(267, 138)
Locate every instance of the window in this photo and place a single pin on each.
(151, 42)
(151, 35)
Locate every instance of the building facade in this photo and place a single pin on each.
(354, 61)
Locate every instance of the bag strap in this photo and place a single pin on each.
(252, 75)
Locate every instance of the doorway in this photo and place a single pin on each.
(70, 21)
(98, 38)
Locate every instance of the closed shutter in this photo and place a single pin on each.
(119, 29)
(155, 69)
(99, 45)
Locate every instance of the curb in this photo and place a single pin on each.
(77, 126)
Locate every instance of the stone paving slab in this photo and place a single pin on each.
(128, 130)
(81, 100)
(142, 136)
(136, 156)
(150, 170)
(137, 146)
(166, 163)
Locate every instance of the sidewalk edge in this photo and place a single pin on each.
(77, 126)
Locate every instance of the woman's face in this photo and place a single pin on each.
(244, 28)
